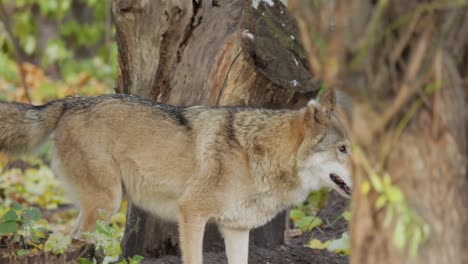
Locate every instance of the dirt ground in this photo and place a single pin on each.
(293, 253)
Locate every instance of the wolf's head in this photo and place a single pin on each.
(326, 150)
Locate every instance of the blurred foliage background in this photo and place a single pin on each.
(62, 47)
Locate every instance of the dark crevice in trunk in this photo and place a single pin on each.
(124, 81)
(161, 79)
(193, 24)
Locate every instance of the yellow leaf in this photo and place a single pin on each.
(317, 244)
(346, 215)
(365, 187)
(119, 218)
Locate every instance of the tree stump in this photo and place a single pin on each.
(210, 53)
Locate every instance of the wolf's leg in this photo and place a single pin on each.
(191, 229)
(96, 203)
(103, 205)
(75, 233)
(237, 244)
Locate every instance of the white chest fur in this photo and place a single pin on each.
(256, 210)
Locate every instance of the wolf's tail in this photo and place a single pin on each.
(24, 127)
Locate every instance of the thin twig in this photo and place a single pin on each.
(108, 27)
(16, 49)
(409, 86)
(309, 36)
(409, 31)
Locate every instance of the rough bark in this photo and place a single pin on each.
(211, 53)
(392, 58)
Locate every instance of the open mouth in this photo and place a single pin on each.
(340, 183)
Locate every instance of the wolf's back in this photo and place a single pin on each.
(24, 127)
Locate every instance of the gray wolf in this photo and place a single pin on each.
(235, 166)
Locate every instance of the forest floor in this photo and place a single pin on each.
(17, 178)
(296, 251)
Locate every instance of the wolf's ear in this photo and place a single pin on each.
(328, 99)
(316, 113)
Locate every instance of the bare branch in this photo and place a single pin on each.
(16, 49)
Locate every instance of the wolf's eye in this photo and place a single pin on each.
(342, 148)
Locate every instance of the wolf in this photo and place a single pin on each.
(234, 166)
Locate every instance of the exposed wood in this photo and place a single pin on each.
(211, 53)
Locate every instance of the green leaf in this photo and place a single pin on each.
(33, 213)
(296, 214)
(9, 216)
(41, 232)
(388, 217)
(84, 261)
(323, 88)
(318, 199)
(415, 242)
(399, 235)
(376, 182)
(16, 206)
(394, 194)
(136, 259)
(346, 215)
(103, 228)
(35, 239)
(26, 222)
(57, 243)
(381, 201)
(23, 252)
(113, 249)
(308, 223)
(9, 227)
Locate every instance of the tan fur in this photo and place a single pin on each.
(237, 167)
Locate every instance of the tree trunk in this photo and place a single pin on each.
(211, 53)
(404, 71)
